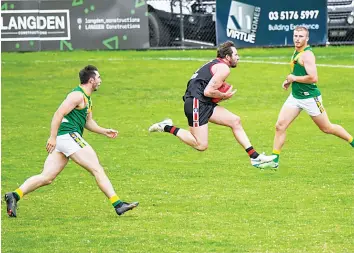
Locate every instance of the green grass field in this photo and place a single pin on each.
(212, 201)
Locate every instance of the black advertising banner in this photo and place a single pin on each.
(74, 24)
(251, 23)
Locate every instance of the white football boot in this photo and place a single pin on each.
(159, 126)
(269, 165)
(261, 159)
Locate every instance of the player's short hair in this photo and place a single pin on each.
(302, 28)
(225, 49)
(86, 73)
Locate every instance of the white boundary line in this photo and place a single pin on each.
(247, 61)
(318, 64)
(182, 59)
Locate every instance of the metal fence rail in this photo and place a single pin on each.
(182, 23)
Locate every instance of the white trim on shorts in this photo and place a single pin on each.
(195, 112)
(313, 106)
(70, 143)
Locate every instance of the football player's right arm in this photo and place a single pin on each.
(70, 103)
(221, 72)
(309, 62)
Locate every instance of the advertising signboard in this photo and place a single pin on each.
(251, 23)
(74, 24)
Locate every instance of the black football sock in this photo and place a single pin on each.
(171, 129)
(252, 153)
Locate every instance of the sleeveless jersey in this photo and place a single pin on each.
(302, 90)
(199, 81)
(75, 120)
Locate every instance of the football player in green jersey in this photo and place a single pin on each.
(65, 141)
(304, 96)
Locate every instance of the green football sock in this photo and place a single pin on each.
(115, 201)
(277, 153)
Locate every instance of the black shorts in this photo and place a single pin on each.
(197, 112)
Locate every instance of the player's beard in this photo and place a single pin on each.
(233, 64)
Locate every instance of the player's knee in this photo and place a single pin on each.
(46, 180)
(201, 147)
(280, 126)
(97, 171)
(235, 121)
(327, 129)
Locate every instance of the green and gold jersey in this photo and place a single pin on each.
(75, 120)
(302, 90)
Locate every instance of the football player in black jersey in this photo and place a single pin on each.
(200, 109)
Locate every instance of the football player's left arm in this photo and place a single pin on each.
(221, 72)
(92, 126)
(309, 62)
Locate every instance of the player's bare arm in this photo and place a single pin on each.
(73, 100)
(221, 72)
(92, 126)
(309, 61)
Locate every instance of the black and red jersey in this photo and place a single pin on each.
(199, 81)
